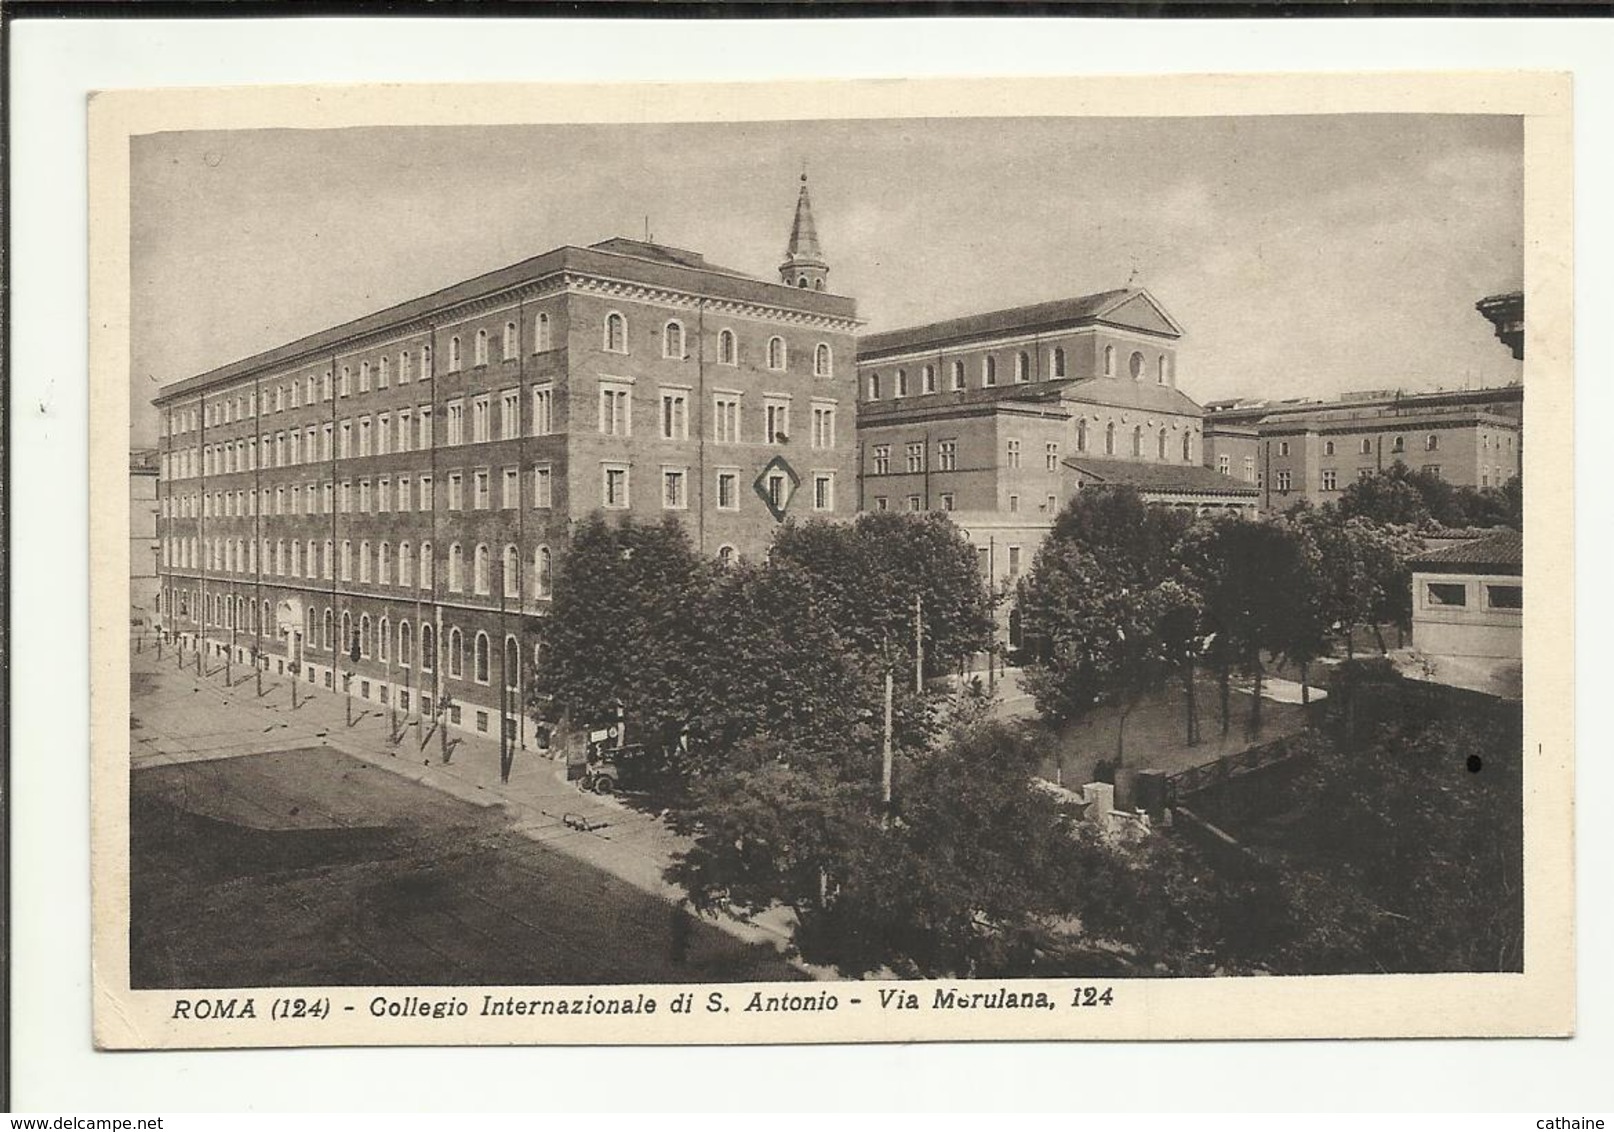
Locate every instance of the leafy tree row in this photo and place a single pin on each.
(1399, 496)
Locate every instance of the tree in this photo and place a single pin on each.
(870, 573)
(621, 628)
(1390, 496)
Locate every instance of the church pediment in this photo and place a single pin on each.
(1140, 310)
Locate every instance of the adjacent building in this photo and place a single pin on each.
(387, 498)
(1468, 612)
(1011, 411)
(145, 549)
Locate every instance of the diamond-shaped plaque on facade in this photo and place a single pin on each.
(776, 486)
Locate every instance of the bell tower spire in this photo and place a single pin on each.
(804, 264)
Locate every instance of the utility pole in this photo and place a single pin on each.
(918, 645)
(885, 753)
(442, 733)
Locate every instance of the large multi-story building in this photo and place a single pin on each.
(1314, 449)
(145, 549)
(1010, 412)
(386, 498)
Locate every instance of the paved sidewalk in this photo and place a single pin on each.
(178, 716)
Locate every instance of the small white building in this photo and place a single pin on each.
(1468, 612)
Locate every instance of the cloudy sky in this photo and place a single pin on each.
(1302, 255)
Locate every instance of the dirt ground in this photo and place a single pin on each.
(310, 867)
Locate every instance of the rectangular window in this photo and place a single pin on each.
(915, 503)
(1432, 469)
(1249, 469)
(726, 428)
(674, 415)
(1014, 561)
(1014, 504)
(481, 425)
(364, 436)
(456, 422)
(543, 410)
(482, 495)
(1504, 597)
(1283, 448)
(882, 459)
(1014, 453)
(347, 497)
(728, 491)
(1052, 506)
(1284, 481)
(916, 457)
(405, 430)
(425, 414)
(512, 489)
(1051, 456)
(364, 497)
(823, 491)
(1448, 593)
(947, 455)
(1224, 465)
(615, 414)
(428, 501)
(823, 426)
(509, 414)
(615, 493)
(1330, 479)
(542, 481)
(946, 501)
(881, 503)
(777, 417)
(404, 502)
(455, 491)
(673, 494)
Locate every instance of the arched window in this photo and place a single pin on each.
(426, 571)
(428, 647)
(927, 379)
(364, 560)
(406, 564)
(512, 571)
(1022, 366)
(482, 347)
(1109, 439)
(725, 556)
(364, 635)
(383, 564)
(1081, 434)
(821, 360)
(296, 559)
(480, 659)
(454, 353)
(1431, 443)
(540, 332)
(383, 640)
(989, 370)
(543, 572)
(1162, 444)
(406, 644)
(480, 561)
(902, 384)
(616, 333)
(329, 628)
(1134, 365)
(874, 387)
(509, 341)
(776, 353)
(1058, 362)
(347, 632)
(512, 665)
(672, 340)
(265, 622)
(310, 629)
(1109, 361)
(456, 654)
(425, 361)
(1137, 440)
(328, 561)
(311, 567)
(456, 568)
(725, 348)
(958, 375)
(1187, 445)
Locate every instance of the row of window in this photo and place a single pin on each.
(376, 563)
(1455, 594)
(1364, 446)
(383, 495)
(377, 639)
(1283, 480)
(947, 450)
(379, 373)
(948, 502)
(1224, 465)
(410, 428)
(927, 374)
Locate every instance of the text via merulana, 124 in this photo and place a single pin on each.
(423, 1007)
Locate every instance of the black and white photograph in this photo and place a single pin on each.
(828, 576)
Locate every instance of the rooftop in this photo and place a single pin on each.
(1501, 552)
(1105, 306)
(636, 261)
(1183, 478)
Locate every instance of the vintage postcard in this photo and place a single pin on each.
(833, 562)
